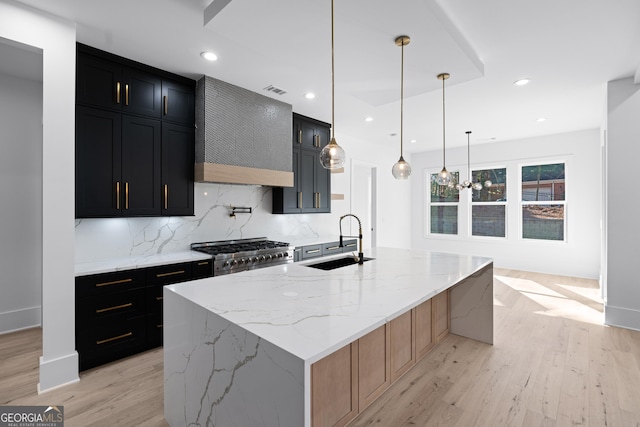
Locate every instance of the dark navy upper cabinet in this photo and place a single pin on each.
(135, 138)
(311, 192)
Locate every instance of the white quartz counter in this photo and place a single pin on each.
(310, 312)
(139, 261)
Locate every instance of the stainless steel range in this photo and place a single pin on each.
(233, 256)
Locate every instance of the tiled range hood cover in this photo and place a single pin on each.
(242, 137)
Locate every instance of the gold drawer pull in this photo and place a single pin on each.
(159, 298)
(128, 334)
(204, 263)
(159, 326)
(115, 282)
(117, 307)
(333, 248)
(313, 251)
(171, 273)
(349, 245)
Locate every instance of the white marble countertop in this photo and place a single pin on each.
(139, 261)
(310, 312)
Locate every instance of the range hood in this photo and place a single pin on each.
(242, 137)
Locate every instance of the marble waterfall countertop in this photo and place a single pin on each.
(310, 312)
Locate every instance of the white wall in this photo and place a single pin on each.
(98, 239)
(579, 256)
(622, 306)
(56, 38)
(21, 195)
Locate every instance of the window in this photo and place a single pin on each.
(444, 206)
(489, 204)
(543, 202)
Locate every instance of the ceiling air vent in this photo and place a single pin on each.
(274, 89)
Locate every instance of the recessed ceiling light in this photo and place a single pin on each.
(209, 56)
(522, 82)
(541, 119)
(368, 119)
(309, 95)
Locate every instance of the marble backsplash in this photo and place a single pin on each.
(100, 239)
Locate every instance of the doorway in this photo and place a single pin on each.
(21, 105)
(364, 200)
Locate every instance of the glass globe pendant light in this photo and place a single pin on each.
(443, 177)
(402, 169)
(467, 182)
(332, 155)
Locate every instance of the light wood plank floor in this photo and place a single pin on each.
(552, 364)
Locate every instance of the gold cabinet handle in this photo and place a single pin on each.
(126, 94)
(300, 136)
(203, 263)
(166, 105)
(117, 92)
(312, 251)
(159, 298)
(317, 201)
(117, 307)
(117, 194)
(159, 326)
(299, 199)
(171, 273)
(349, 245)
(166, 196)
(126, 195)
(128, 334)
(115, 282)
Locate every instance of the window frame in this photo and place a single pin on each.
(490, 203)
(564, 203)
(428, 233)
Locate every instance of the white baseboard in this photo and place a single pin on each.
(58, 372)
(622, 317)
(11, 321)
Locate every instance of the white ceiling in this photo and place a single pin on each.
(569, 48)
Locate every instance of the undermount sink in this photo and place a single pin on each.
(336, 263)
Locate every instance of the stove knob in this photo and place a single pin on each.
(280, 255)
(242, 261)
(225, 264)
(254, 259)
(262, 258)
(269, 257)
(233, 262)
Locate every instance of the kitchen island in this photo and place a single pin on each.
(268, 347)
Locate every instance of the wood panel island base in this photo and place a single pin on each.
(292, 345)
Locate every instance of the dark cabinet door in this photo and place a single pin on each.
(322, 176)
(308, 160)
(140, 166)
(98, 82)
(178, 103)
(177, 169)
(141, 93)
(98, 162)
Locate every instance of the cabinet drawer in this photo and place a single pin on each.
(101, 284)
(349, 245)
(331, 248)
(154, 330)
(111, 307)
(312, 251)
(168, 274)
(201, 269)
(111, 341)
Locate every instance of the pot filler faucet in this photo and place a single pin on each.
(360, 254)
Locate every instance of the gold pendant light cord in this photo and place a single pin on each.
(401, 97)
(332, 79)
(443, 130)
